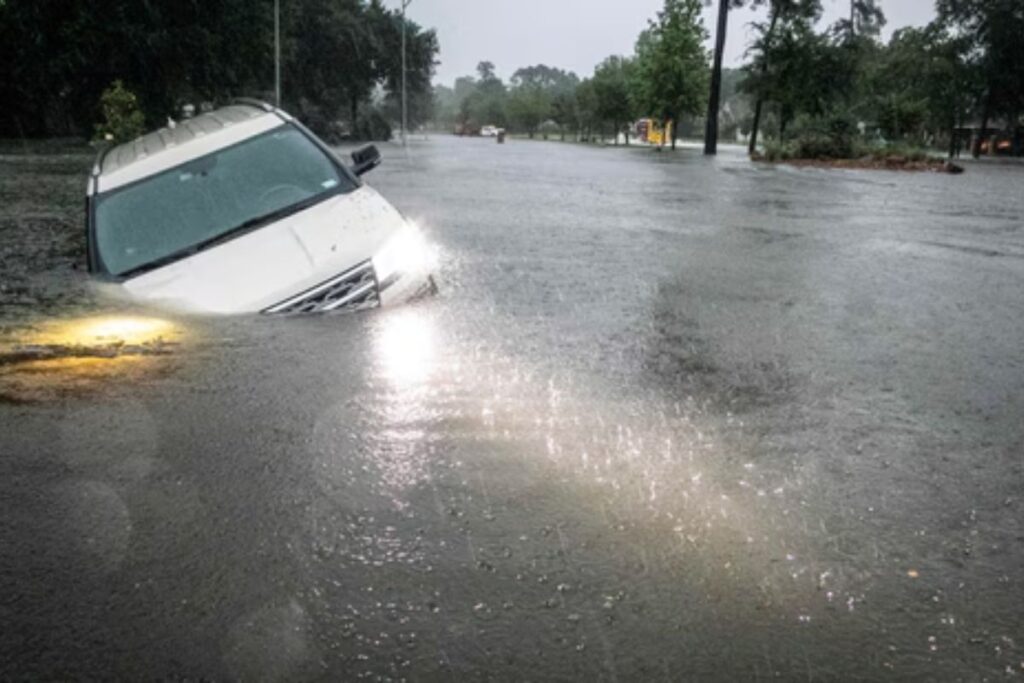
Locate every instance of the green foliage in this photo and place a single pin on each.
(991, 33)
(122, 118)
(587, 108)
(486, 103)
(528, 106)
(776, 150)
(373, 125)
(60, 56)
(612, 81)
(421, 49)
(671, 74)
(535, 91)
(825, 137)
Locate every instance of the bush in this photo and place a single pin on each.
(774, 150)
(122, 118)
(830, 137)
(819, 145)
(373, 126)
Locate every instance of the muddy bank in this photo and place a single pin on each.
(42, 226)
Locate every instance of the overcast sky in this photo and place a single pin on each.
(577, 34)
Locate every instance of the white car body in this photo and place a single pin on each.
(349, 251)
(489, 132)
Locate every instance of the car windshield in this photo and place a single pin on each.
(172, 214)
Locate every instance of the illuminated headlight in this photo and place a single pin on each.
(406, 252)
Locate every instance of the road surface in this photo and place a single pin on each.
(669, 418)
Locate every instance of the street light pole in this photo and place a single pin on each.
(405, 104)
(277, 51)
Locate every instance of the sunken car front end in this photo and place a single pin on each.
(400, 271)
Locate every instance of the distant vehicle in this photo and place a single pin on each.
(489, 131)
(244, 210)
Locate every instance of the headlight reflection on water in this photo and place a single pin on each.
(55, 357)
(131, 331)
(406, 348)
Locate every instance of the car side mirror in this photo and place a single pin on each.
(366, 159)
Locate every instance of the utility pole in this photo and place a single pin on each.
(405, 102)
(711, 131)
(277, 51)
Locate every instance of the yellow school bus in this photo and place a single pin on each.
(651, 131)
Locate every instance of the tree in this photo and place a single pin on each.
(586, 109)
(486, 71)
(671, 76)
(919, 85)
(528, 106)
(866, 20)
(328, 48)
(535, 90)
(59, 57)
(611, 83)
(778, 10)
(421, 52)
(992, 31)
(790, 63)
(486, 104)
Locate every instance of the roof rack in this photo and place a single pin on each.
(111, 157)
(254, 102)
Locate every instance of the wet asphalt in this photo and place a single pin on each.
(669, 418)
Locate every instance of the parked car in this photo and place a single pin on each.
(489, 131)
(244, 210)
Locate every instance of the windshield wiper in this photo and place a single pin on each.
(227, 235)
(158, 263)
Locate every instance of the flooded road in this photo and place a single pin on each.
(669, 418)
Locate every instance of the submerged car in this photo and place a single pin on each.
(244, 210)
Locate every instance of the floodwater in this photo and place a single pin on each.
(669, 418)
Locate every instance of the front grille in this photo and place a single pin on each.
(353, 290)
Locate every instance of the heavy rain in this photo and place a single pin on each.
(668, 416)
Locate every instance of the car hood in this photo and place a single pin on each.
(266, 266)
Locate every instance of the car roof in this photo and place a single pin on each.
(178, 142)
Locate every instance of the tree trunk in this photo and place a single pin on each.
(753, 128)
(714, 101)
(354, 104)
(675, 134)
(764, 70)
(984, 128)
(954, 138)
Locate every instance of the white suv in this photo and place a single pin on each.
(244, 210)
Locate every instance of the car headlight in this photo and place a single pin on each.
(406, 252)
